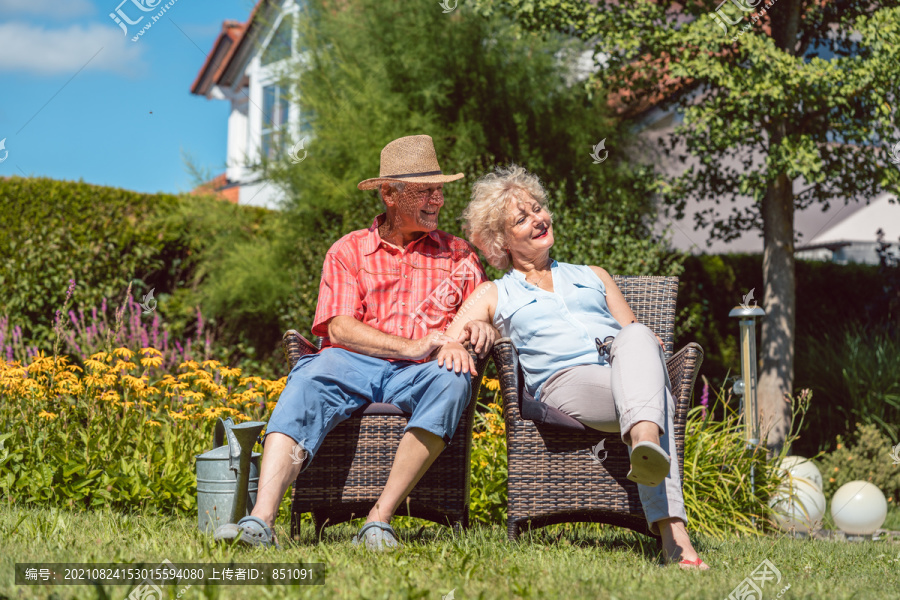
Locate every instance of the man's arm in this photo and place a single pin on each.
(347, 332)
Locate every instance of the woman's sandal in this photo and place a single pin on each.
(377, 535)
(649, 464)
(693, 565)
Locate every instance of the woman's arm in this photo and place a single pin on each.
(479, 306)
(616, 302)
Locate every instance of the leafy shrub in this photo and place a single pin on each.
(867, 458)
(860, 369)
(718, 496)
(120, 433)
(105, 238)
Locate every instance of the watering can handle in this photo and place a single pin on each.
(219, 435)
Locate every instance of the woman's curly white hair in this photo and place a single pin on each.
(487, 216)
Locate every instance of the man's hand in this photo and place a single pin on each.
(456, 357)
(424, 347)
(481, 336)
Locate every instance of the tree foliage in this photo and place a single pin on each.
(791, 92)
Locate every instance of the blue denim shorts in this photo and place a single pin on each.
(326, 388)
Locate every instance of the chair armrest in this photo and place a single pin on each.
(295, 346)
(504, 357)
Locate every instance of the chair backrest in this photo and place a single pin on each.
(652, 299)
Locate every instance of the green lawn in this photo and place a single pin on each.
(567, 562)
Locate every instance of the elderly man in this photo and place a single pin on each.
(386, 295)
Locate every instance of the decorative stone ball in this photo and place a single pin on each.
(803, 468)
(798, 504)
(859, 508)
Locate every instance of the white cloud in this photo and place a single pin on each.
(34, 49)
(50, 9)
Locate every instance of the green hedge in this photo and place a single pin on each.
(836, 306)
(103, 238)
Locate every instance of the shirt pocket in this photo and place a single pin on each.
(588, 299)
(520, 320)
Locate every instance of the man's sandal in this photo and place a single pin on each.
(249, 530)
(378, 536)
(649, 464)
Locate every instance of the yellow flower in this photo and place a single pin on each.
(155, 361)
(153, 423)
(839, 446)
(178, 416)
(150, 352)
(47, 415)
(229, 372)
(189, 364)
(271, 405)
(99, 356)
(492, 384)
(210, 364)
(95, 365)
(125, 352)
(110, 396)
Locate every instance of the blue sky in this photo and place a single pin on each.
(80, 100)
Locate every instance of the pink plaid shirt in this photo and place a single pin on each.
(407, 292)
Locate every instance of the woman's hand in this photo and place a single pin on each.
(481, 336)
(456, 357)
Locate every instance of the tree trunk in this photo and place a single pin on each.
(777, 340)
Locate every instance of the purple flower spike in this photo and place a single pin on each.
(704, 399)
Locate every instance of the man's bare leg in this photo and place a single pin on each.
(417, 451)
(276, 473)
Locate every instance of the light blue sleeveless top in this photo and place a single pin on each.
(554, 330)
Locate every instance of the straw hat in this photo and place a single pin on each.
(410, 158)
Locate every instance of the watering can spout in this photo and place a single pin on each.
(228, 475)
(241, 439)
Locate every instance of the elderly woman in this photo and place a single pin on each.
(553, 312)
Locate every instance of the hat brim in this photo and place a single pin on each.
(374, 182)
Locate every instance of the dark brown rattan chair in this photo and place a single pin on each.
(553, 477)
(351, 468)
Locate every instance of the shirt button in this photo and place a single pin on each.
(406, 277)
(403, 304)
(401, 327)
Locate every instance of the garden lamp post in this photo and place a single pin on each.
(746, 385)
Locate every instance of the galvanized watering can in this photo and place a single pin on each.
(228, 475)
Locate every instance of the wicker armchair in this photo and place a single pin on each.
(553, 476)
(351, 468)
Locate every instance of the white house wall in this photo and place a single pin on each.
(808, 223)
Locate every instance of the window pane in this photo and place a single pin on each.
(284, 107)
(269, 106)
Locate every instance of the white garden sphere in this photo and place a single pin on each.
(798, 504)
(804, 468)
(858, 508)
